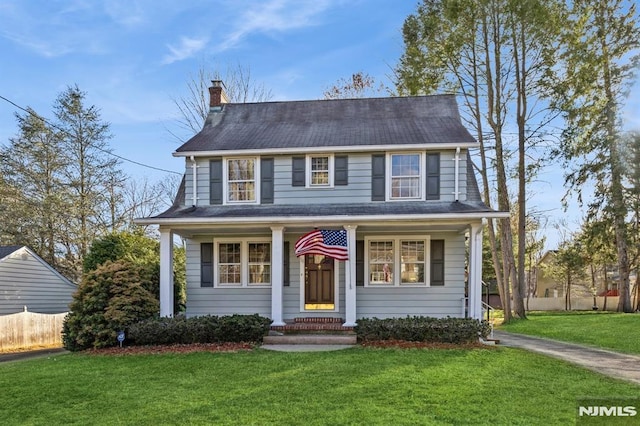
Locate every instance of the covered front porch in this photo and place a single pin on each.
(284, 298)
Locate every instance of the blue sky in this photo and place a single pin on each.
(132, 57)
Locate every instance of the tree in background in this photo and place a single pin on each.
(360, 85)
(240, 87)
(490, 53)
(595, 65)
(567, 266)
(631, 171)
(60, 187)
(36, 197)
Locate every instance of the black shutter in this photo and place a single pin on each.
(341, 167)
(206, 265)
(266, 181)
(298, 175)
(285, 265)
(377, 177)
(437, 262)
(215, 181)
(360, 263)
(433, 176)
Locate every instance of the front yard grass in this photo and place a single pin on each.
(356, 386)
(608, 330)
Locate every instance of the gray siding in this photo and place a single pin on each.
(220, 301)
(357, 191)
(381, 302)
(28, 282)
(387, 302)
(202, 182)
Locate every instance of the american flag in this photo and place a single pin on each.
(329, 243)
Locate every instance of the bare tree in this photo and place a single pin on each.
(240, 87)
(360, 85)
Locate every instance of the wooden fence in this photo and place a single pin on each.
(29, 330)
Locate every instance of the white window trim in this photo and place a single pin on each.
(244, 262)
(421, 177)
(397, 262)
(308, 171)
(336, 291)
(225, 180)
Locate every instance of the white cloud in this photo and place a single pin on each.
(274, 16)
(186, 49)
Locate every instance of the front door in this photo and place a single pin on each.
(319, 283)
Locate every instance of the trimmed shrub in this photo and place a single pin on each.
(422, 329)
(202, 329)
(109, 299)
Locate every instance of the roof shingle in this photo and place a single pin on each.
(332, 123)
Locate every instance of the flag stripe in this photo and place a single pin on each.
(325, 242)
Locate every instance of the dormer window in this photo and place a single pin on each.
(241, 176)
(320, 171)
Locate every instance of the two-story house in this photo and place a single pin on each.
(394, 175)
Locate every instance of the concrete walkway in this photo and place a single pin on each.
(305, 348)
(612, 364)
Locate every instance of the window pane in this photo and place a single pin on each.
(405, 165)
(381, 262)
(412, 257)
(320, 171)
(405, 188)
(259, 263)
(319, 178)
(229, 263)
(241, 180)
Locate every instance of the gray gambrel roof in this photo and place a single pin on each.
(415, 120)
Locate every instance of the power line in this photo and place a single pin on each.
(34, 114)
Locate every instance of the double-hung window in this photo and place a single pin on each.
(320, 171)
(243, 263)
(405, 176)
(397, 261)
(241, 177)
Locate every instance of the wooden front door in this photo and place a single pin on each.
(319, 282)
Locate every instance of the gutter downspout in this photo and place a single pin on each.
(456, 189)
(194, 176)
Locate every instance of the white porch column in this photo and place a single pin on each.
(277, 276)
(475, 271)
(350, 278)
(166, 273)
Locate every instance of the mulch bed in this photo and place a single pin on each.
(173, 349)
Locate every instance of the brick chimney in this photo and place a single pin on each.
(217, 97)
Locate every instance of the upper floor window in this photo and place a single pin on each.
(320, 171)
(241, 176)
(405, 176)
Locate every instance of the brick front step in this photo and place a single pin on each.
(332, 327)
(320, 320)
(311, 339)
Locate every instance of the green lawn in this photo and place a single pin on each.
(356, 386)
(609, 330)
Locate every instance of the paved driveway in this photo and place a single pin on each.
(613, 364)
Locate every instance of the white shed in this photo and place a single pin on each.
(27, 280)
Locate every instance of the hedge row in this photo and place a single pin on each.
(203, 329)
(422, 329)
